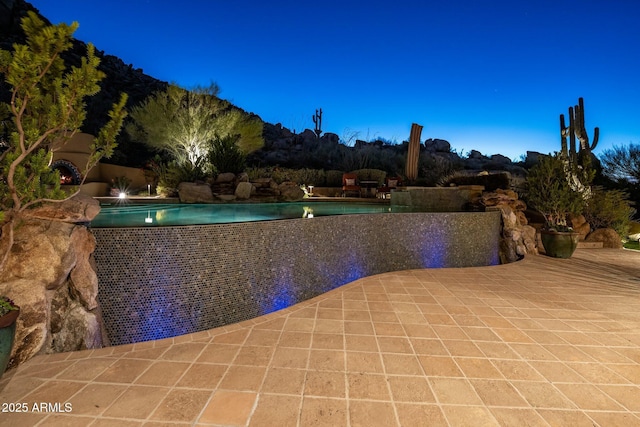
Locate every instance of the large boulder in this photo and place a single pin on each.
(192, 192)
(244, 190)
(330, 138)
(500, 159)
(290, 192)
(608, 237)
(437, 145)
(308, 135)
(41, 253)
(225, 177)
(518, 238)
(73, 327)
(476, 155)
(263, 182)
(83, 280)
(580, 225)
(32, 326)
(532, 158)
(80, 208)
(50, 275)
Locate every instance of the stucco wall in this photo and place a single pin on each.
(77, 150)
(168, 281)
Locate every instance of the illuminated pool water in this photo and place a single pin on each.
(160, 215)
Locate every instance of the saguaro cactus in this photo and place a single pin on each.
(576, 129)
(413, 153)
(317, 121)
(578, 158)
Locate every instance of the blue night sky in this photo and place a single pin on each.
(489, 75)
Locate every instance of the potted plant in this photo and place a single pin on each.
(550, 191)
(8, 314)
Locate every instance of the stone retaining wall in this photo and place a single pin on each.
(437, 199)
(162, 282)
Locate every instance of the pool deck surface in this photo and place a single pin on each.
(540, 342)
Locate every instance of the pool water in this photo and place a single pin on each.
(158, 215)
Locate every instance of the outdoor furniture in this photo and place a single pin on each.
(369, 188)
(390, 183)
(350, 184)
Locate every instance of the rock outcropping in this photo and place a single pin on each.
(51, 275)
(608, 236)
(518, 238)
(285, 148)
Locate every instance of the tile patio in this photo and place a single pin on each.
(541, 342)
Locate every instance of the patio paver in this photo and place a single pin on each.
(540, 342)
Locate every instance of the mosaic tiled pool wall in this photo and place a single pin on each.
(160, 282)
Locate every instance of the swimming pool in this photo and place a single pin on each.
(160, 215)
(158, 282)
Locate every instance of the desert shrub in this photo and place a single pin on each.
(491, 182)
(333, 178)
(172, 173)
(369, 156)
(311, 177)
(257, 172)
(609, 209)
(121, 183)
(354, 160)
(280, 175)
(432, 169)
(317, 177)
(225, 155)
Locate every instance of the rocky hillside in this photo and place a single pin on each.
(437, 159)
(120, 78)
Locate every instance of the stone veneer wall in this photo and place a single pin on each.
(159, 282)
(438, 199)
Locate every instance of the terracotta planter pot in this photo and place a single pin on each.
(559, 244)
(7, 335)
(9, 318)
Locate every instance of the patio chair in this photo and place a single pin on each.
(350, 184)
(390, 183)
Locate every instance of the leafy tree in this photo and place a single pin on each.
(622, 163)
(182, 122)
(247, 129)
(46, 108)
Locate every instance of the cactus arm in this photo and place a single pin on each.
(317, 121)
(596, 136)
(563, 135)
(572, 133)
(578, 157)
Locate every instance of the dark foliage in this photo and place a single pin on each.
(225, 155)
(491, 182)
